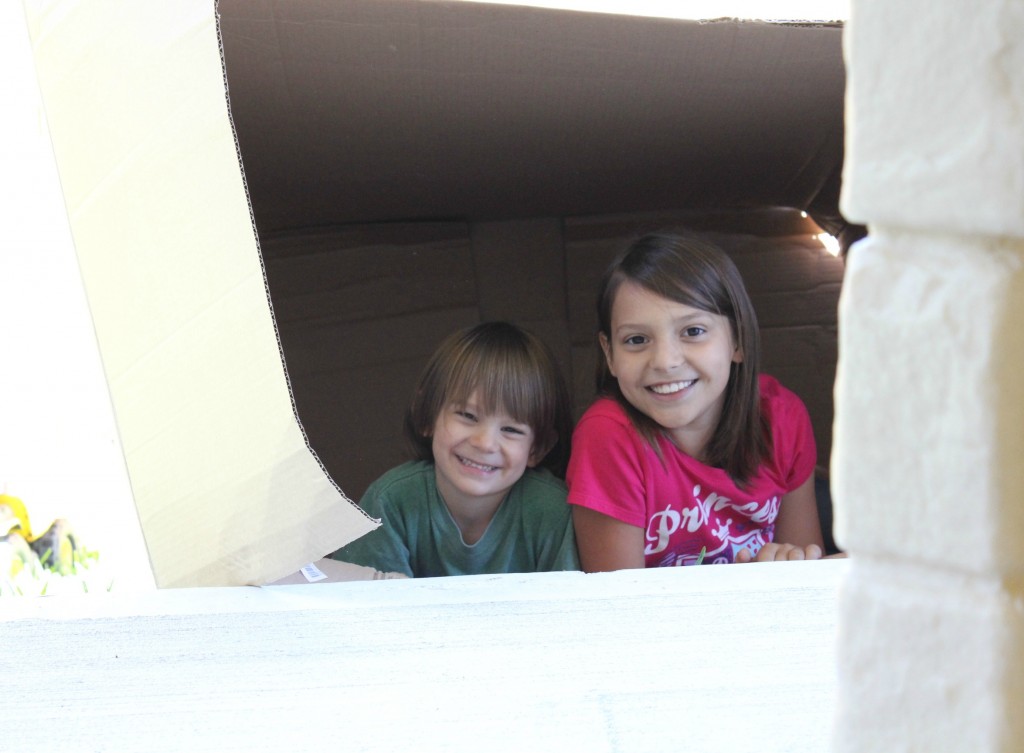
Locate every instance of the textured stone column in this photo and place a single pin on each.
(928, 463)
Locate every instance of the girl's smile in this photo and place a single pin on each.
(672, 362)
(672, 387)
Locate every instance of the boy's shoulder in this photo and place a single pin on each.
(539, 493)
(541, 478)
(413, 475)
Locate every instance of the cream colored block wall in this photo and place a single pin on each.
(931, 661)
(936, 95)
(929, 432)
(931, 367)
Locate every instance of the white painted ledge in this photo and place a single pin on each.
(738, 658)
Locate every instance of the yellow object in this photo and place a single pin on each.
(17, 508)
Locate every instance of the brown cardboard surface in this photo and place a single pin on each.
(369, 111)
(415, 166)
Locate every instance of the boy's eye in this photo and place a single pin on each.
(514, 430)
(466, 415)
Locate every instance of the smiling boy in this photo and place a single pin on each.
(490, 411)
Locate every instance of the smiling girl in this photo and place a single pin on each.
(688, 449)
(489, 421)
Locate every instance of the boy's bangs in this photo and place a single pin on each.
(503, 383)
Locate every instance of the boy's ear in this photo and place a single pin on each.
(540, 451)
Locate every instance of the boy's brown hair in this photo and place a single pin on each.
(513, 370)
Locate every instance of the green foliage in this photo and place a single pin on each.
(85, 574)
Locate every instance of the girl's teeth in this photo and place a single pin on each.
(668, 389)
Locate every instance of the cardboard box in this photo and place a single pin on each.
(411, 167)
(419, 166)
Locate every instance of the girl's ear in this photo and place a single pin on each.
(606, 348)
(737, 354)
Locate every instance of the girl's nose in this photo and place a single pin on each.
(667, 355)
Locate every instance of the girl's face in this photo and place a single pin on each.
(478, 455)
(672, 362)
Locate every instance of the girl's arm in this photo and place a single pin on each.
(606, 543)
(797, 529)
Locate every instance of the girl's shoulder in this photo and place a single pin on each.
(793, 446)
(602, 411)
(778, 402)
(606, 426)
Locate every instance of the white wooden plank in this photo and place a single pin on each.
(683, 659)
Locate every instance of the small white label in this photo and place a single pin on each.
(312, 573)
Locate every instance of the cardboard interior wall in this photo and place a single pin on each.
(416, 166)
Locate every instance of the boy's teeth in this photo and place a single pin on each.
(668, 389)
(471, 464)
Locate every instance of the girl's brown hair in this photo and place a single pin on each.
(691, 270)
(513, 370)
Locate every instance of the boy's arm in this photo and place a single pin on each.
(561, 553)
(384, 548)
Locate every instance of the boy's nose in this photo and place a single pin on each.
(485, 437)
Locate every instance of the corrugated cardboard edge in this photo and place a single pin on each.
(277, 333)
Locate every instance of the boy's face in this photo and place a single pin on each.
(479, 456)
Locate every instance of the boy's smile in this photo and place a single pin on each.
(672, 362)
(478, 456)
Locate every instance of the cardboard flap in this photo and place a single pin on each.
(227, 490)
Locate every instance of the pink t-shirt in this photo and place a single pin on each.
(683, 504)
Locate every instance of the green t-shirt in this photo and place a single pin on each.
(530, 532)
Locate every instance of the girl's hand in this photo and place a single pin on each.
(781, 552)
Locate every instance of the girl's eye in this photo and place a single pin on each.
(513, 430)
(635, 340)
(694, 331)
(466, 415)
